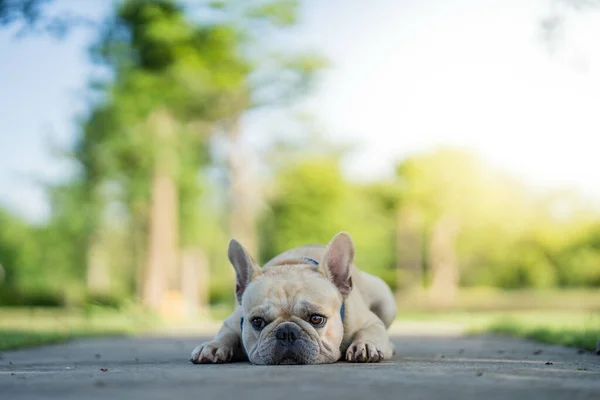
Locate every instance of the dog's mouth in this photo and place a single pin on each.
(279, 356)
(290, 360)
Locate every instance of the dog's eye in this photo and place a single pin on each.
(317, 320)
(258, 323)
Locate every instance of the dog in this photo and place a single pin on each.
(308, 305)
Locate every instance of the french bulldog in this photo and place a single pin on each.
(308, 305)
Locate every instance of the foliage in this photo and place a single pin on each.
(508, 236)
(311, 202)
(177, 75)
(180, 79)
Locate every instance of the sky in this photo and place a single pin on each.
(405, 77)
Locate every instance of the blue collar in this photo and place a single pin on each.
(342, 309)
(310, 260)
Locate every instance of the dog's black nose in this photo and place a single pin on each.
(287, 333)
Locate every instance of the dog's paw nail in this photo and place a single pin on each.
(212, 353)
(363, 352)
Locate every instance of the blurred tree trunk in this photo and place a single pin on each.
(139, 235)
(194, 281)
(98, 271)
(443, 261)
(409, 247)
(161, 267)
(242, 212)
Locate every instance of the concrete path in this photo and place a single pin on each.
(426, 367)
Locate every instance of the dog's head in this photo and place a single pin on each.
(292, 312)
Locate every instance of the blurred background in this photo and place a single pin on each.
(457, 142)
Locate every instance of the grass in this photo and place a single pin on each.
(583, 335)
(569, 328)
(25, 327)
(566, 318)
(16, 339)
(494, 299)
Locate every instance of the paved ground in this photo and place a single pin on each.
(427, 367)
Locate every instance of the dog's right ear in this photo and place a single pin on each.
(245, 268)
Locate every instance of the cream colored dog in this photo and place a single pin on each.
(308, 305)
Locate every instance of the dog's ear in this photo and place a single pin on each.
(337, 261)
(245, 267)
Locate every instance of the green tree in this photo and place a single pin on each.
(276, 77)
(508, 236)
(177, 81)
(18, 256)
(149, 134)
(310, 201)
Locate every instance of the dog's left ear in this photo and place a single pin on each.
(337, 261)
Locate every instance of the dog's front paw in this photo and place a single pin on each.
(212, 353)
(363, 351)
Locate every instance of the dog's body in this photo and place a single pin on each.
(308, 305)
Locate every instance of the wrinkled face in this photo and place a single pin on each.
(292, 316)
